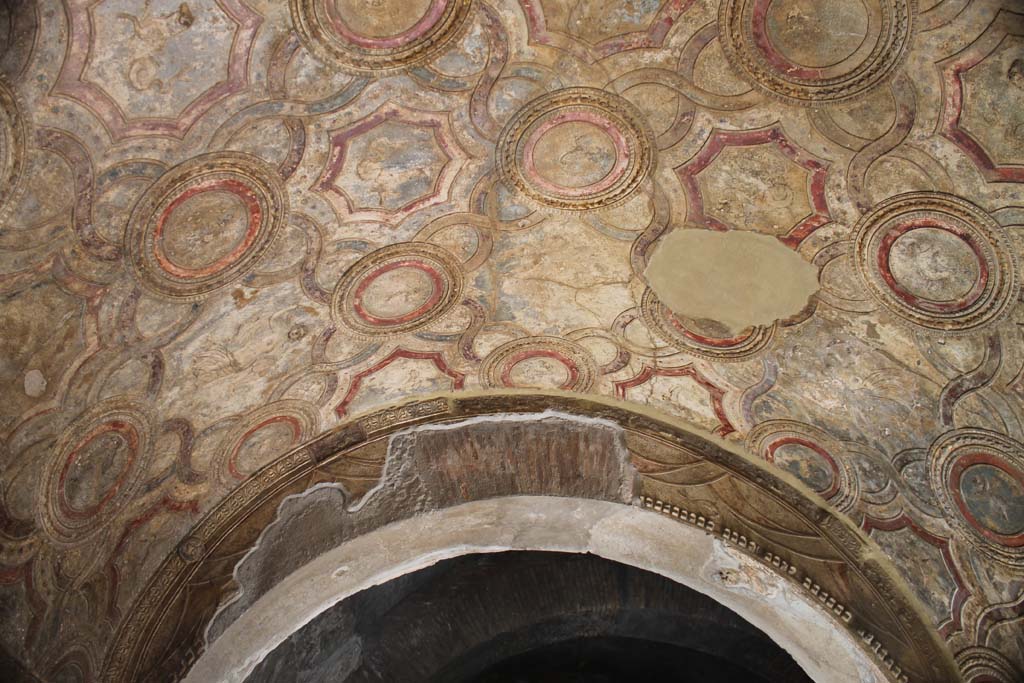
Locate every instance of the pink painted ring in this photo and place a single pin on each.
(421, 310)
(128, 432)
(716, 342)
(956, 474)
(254, 213)
(292, 422)
(788, 440)
(918, 302)
(606, 126)
(511, 363)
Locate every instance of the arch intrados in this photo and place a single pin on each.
(613, 531)
(697, 481)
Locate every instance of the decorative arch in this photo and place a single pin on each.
(422, 458)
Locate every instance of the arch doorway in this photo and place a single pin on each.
(393, 507)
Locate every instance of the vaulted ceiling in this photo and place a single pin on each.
(227, 226)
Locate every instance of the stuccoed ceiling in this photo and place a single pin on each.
(228, 225)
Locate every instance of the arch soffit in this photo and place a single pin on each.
(692, 478)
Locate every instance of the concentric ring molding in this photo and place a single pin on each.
(997, 283)
(300, 416)
(258, 190)
(349, 308)
(663, 322)
(843, 489)
(331, 41)
(12, 146)
(622, 122)
(580, 366)
(950, 457)
(744, 32)
(67, 523)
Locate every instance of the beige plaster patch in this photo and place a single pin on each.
(739, 279)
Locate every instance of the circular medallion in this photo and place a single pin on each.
(702, 338)
(809, 454)
(379, 36)
(937, 261)
(204, 224)
(99, 462)
(978, 477)
(263, 436)
(191, 549)
(398, 288)
(813, 51)
(576, 149)
(12, 146)
(539, 362)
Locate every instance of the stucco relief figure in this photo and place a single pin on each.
(393, 173)
(151, 33)
(1015, 74)
(589, 156)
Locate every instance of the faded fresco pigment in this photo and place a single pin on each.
(229, 226)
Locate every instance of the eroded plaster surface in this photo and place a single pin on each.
(227, 226)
